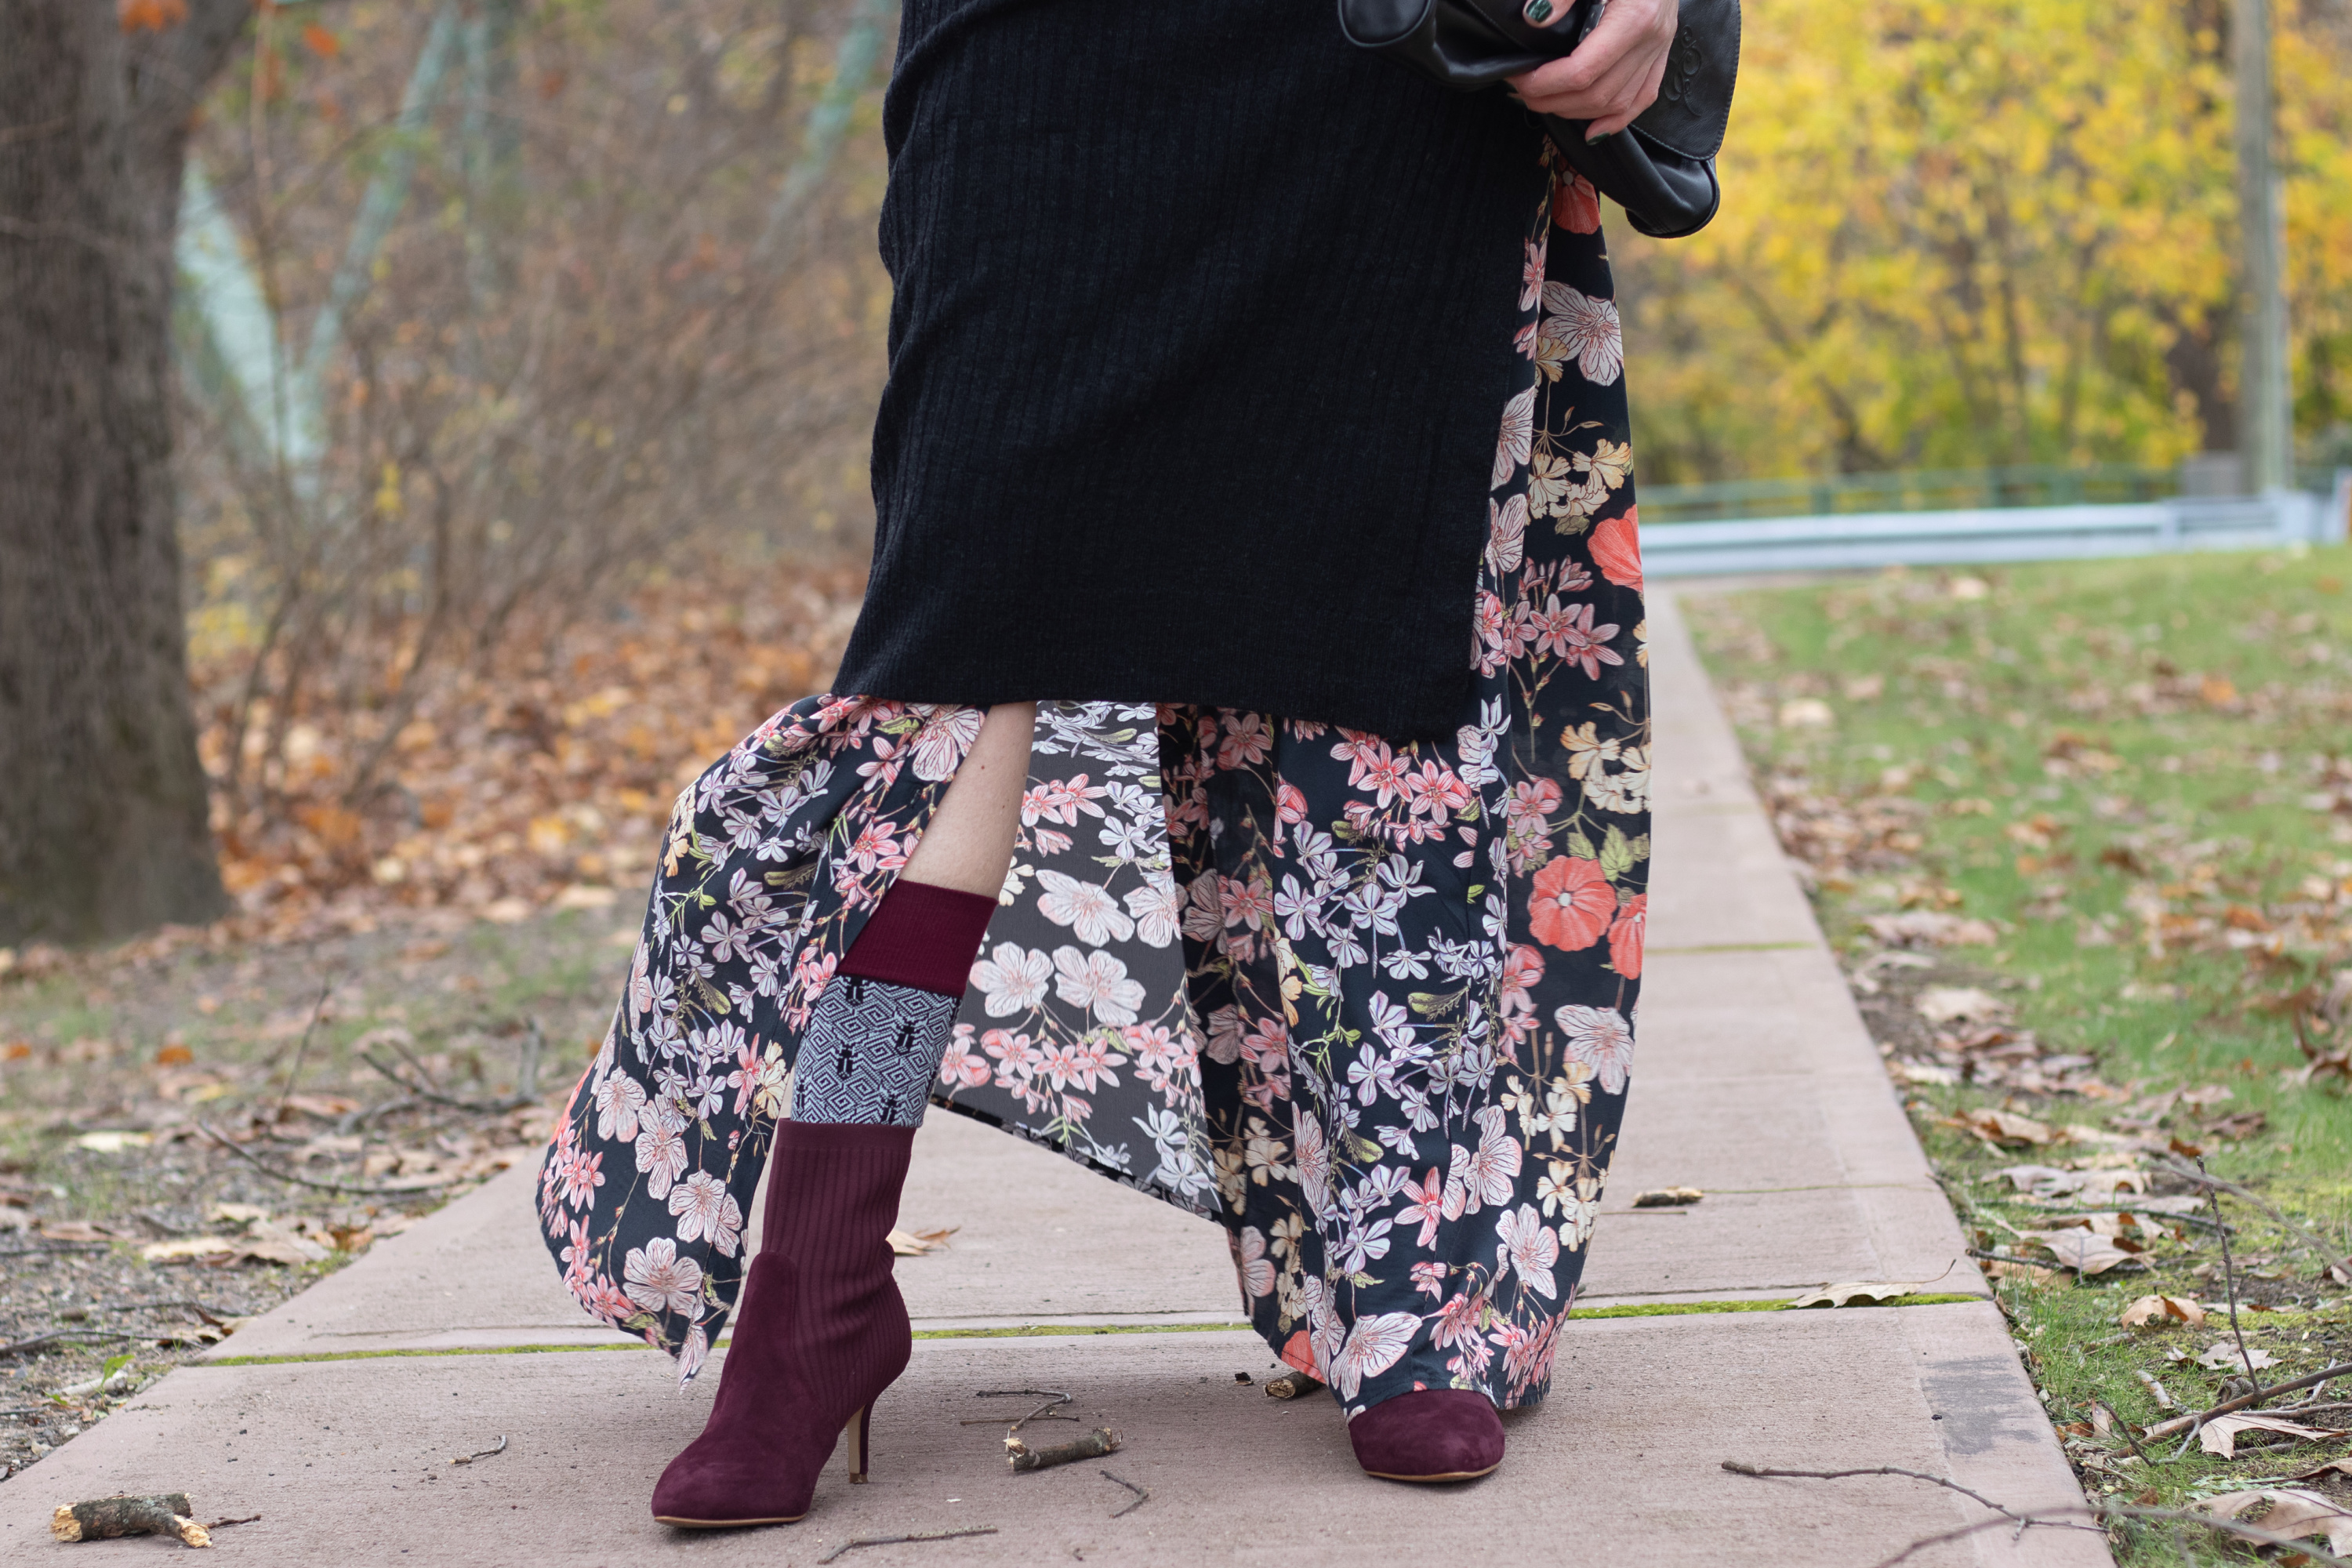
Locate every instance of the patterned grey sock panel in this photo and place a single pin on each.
(871, 1052)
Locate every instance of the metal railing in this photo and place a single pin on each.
(1846, 539)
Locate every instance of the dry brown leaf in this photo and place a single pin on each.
(1857, 1292)
(2006, 1127)
(2220, 1434)
(1950, 1003)
(914, 1244)
(2222, 1355)
(2162, 1311)
(1667, 1198)
(2293, 1512)
(2085, 1252)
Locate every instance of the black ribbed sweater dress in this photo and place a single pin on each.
(1200, 332)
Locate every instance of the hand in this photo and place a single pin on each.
(1614, 75)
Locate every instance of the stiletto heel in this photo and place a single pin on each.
(822, 1333)
(856, 1432)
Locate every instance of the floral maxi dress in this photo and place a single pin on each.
(1393, 1060)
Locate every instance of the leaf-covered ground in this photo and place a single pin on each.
(412, 979)
(2081, 836)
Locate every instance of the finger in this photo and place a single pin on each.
(1645, 96)
(1612, 92)
(1622, 27)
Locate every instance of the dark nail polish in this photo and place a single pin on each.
(1539, 11)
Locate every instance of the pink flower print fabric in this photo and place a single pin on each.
(1370, 1007)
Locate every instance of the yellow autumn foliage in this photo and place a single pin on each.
(1957, 235)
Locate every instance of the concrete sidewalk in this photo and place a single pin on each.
(335, 1418)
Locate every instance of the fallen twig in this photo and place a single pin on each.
(41, 1247)
(59, 1335)
(2124, 1426)
(1141, 1497)
(1738, 1469)
(902, 1540)
(2132, 1266)
(2183, 1423)
(2174, 1516)
(2054, 1518)
(482, 1454)
(2229, 1274)
(2328, 1260)
(267, 1169)
(224, 1523)
(1045, 1411)
(104, 1519)
(1291, 1385)
(421, 1091)
(216, 1316)
(302, 1047)
(1095, 1444)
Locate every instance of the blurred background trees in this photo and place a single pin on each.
(2003, 232)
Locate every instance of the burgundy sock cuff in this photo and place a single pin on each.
(923, 936)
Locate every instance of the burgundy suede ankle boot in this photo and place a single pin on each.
(1429, 1435)
(821, 1333)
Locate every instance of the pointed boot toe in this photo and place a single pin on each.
(1429, 1435)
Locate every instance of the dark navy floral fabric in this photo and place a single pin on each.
(1370, 1007)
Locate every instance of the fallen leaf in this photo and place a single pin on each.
(2084, 1251)
(2048, 1181)
(181, 1250)
(1918, 1072)
(914, 1244)
(2010, 1269)
(2162, 1311)
(1949, 1004)
(2220, 1434)
(2206, 1094)
(1667, 1198)
(2006, 1127)
(2293, 1512)
(1854, 1292)
(80, 1230)
(2224, 1354)
(113, 1142)
(1931, 928)
(2330, 1467)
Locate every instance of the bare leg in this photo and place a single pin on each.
(969, 845)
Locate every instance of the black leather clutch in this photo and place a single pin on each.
(1661, 168)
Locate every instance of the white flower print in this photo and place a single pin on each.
(705, 1207)
(1086, 908)
(1249, 1258)
(1314, 1167)
(1012, 979)
(1155, 907)
(1375, 1344)
(659, 1280)
(1519, 436)
(661, 1146)
(1531, 1247)
(1099, 980)
(1506, 534)
(1601, 1039)
(1484, 1177)
(946, 736)
(619, 1099)
(1589, 329)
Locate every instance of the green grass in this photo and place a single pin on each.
(2139, 773)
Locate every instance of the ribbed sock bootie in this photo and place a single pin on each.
(822, 1332)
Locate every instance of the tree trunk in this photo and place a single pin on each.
(103, 812)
